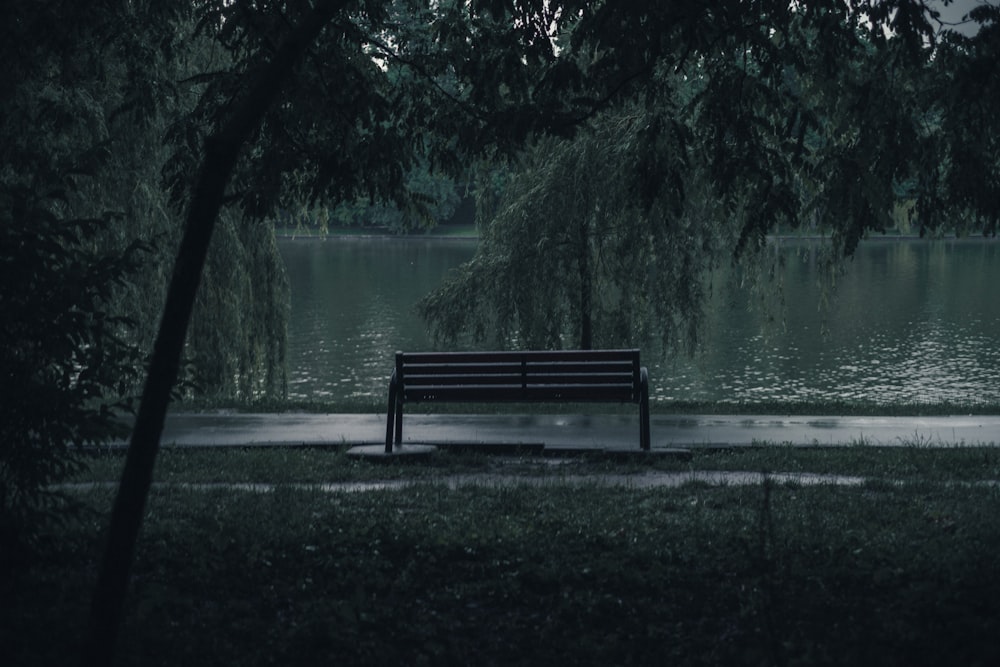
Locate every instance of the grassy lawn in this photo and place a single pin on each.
(901, 570)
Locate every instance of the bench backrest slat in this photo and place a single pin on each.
(530, 355)
(571, 375)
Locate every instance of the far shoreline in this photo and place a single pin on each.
(471, 233)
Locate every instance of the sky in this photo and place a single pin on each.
(955, 10)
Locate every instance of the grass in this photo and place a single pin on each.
(899, 571)
(283, 465)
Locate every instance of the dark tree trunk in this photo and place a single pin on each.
(221, 153)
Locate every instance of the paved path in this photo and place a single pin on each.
(579, 431)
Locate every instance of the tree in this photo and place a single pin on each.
(800, 115)
(956, 184)
(574, 250)
(609, 237)
(66, 352)
(87, 228)
(307, 111)
(235, 349)
(61, 352)
(255, 146)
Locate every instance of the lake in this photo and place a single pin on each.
(910, 321)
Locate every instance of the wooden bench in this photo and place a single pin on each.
(565, 376)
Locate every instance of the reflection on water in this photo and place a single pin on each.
(909, 322)
(352, 308)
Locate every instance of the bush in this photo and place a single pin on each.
(61, 355)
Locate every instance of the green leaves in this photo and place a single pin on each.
(85, 228)
(61, 355)
(717, 125)
(591, 242)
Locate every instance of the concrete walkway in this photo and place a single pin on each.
(615, 432)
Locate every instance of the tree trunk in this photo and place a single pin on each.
(221, 153)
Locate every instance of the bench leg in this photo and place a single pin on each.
(399, 423)
(390, 414)
(644, 410)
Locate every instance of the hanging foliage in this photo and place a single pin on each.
(580, 249)
(829, 116)
(87, 232)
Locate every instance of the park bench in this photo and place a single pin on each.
(562, 376)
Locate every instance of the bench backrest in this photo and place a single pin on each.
(564, 375)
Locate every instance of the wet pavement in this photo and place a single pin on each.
(567, 432)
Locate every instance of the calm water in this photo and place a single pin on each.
(909, 322)
(353, 306)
